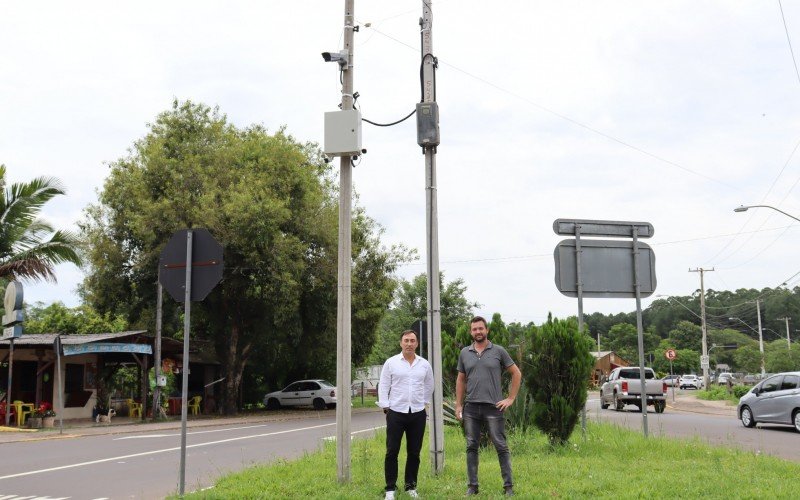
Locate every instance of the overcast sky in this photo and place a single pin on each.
(672, 113)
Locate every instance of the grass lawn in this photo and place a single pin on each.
(612, 463)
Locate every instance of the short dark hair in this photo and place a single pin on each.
(416, 335)
(475, 319)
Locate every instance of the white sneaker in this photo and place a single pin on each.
(412, 493)
(389, 495)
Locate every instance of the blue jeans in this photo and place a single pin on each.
(474, 414)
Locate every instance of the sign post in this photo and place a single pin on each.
(201, 270)
(604, 268)
(670, 355)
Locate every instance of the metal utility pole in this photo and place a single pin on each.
(187, 322)
(760, 337)
(639, 327)
(704, 357)
(432, 226)
(344, 297)
(788, 339)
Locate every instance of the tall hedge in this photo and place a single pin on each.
(557, 376)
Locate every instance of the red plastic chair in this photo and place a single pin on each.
(3, 414)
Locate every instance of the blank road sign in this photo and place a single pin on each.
(606, 269)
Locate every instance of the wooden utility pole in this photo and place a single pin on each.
(344, 297)
(703, 323)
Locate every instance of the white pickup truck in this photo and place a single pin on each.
(623, 387)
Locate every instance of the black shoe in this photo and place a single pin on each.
(472, 490)
(509, 491)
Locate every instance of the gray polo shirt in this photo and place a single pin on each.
(483, 372)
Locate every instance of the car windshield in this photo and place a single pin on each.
(634, 374)
(325, 382)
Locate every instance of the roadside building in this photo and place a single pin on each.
(605, 361)
(85, 362)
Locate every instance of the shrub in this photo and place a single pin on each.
(519, 416)
(740, 390)
(556, 375)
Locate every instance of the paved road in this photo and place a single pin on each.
(145, 464)
(720, 429)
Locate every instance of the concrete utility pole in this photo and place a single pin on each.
(344, 298)
(434, 315)
(700, 270)
(788, 339)
(760, 337)
(158, 411)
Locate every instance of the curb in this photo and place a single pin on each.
(23, 435)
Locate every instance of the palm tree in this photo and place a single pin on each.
(29, 247)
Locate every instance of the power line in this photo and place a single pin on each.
(570, 120)
(789, 39)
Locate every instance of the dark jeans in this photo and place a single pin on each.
(474, 414)
(413, 425)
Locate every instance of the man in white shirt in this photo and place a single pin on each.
(405, 387)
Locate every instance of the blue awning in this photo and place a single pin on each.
(103, 347)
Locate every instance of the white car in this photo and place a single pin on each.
(318, 393)
(692, 381)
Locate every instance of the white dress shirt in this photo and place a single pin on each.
(405, 386)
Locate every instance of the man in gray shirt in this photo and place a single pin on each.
(480, 367)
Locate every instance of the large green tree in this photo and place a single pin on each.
(30, 248)
(58, 318)
(272, 203)
(410, 305)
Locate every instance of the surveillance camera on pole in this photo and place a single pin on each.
(337, 57)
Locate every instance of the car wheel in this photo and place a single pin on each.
(660, 405)
(603, 404)
(618, 405)
(273, 404)
(747, 417)
(796, 420)
(319, 404)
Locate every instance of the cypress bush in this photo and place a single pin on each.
(558, 368)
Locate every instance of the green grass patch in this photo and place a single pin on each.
(612, 463)
(719, 393)
(368, 402)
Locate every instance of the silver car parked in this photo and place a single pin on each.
(776, 400)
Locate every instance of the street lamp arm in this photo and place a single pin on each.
(743, 208)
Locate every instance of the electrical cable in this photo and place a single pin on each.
(390, 124)
(788, 39)
(571, 120)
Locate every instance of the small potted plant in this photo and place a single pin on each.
(42, 416)
(48, 416)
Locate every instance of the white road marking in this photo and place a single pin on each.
(165, 450)
(333, 438)
(30, 497)
(191, 433)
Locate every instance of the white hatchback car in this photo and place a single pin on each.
(318, 393)
(688, 381)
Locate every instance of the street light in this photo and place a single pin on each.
(743, 208)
